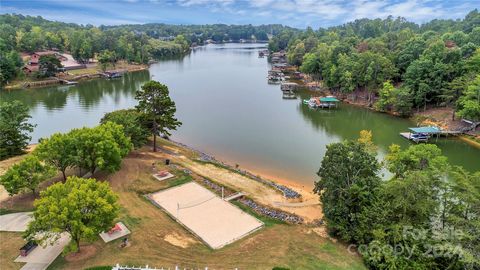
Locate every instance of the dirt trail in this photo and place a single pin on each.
(309, 208)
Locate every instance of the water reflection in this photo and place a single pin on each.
(61, 108)
(229, 110)
(89, 94)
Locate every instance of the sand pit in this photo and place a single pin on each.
(179, 240)
(215, 221)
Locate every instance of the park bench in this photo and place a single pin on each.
(27, 248)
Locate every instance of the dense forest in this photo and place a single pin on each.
(409, 66)
(425, 216)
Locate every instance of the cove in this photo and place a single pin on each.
(230, 111)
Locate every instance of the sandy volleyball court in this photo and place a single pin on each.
(215, 221)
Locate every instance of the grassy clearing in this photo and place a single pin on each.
(290, 246)
(10, 243)
(219, 165)
(83, 71)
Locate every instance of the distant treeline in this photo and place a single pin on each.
(133, 43)
(434, 63)
(200, 33)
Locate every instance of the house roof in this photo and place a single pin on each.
(31, 68)
(428, 130)
(45, 53)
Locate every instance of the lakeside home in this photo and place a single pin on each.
(67, 61)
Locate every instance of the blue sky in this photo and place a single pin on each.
(296, 13)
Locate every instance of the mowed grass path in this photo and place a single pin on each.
(292, 246)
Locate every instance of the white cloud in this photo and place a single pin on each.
(298, 13)
(187, 3)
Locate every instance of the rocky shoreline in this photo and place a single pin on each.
(260, 209)
(287, 192)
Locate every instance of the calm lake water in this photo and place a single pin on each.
(228, 110)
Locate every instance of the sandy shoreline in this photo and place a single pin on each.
(283, 181)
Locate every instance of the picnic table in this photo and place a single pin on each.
(115, 229)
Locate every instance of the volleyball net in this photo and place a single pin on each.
(194, 203)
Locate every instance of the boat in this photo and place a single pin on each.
(289, 95)
(275, 79)
(112, 74)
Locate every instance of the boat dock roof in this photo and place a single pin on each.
(329, 99)
(426, 130)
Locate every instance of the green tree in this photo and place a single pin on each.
(106, 58)
(10, 63)
(182, 41)
(48, 65)
(27, 174)
(12, 181)
(59, 151)
(159, 109)
(346, 69)
(411, 52)
(14, 128)
(295, 57)
(464, 212)
(402, 101)
(469, 102)
(419, 157)
(102, 147)
(81, 207)
(408, 205)
(117, 132)
(384, 102)
(131, 120)
(311, 65)
(422, 206)
(348, 189)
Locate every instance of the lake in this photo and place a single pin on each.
(229, 111)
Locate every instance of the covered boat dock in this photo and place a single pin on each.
(322, 102)
(421, 134)
(328, 102)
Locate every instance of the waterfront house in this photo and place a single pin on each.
(35, 57)
(67, 61)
